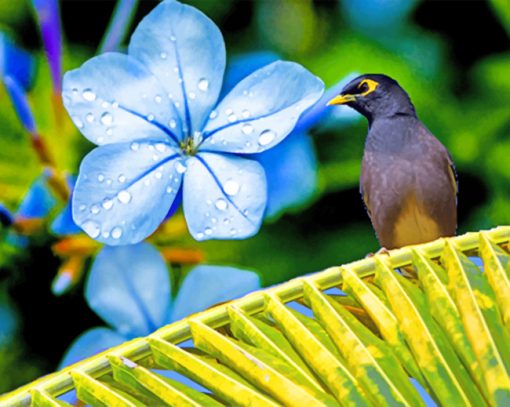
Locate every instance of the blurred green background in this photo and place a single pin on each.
(453, 58)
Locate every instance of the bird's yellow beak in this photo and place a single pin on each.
(341, 100)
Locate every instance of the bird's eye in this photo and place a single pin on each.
(363, 87)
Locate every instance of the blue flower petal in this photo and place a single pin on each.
(125, 190)
(184, 49)
(320, 112)
(63, 224)
(48, 14)
(291, 170)
(239, 67)
(129, 287)
(262, 109)
(206, 286)
(20, 103)
(224, 196)
(113, 98)
(89, 343)
(15, 62)
(38, 201)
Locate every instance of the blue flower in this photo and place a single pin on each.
(292, 165)
(154, 115)
(129, 287)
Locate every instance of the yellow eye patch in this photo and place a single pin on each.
(371, 86)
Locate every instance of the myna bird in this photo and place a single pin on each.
(408, 179)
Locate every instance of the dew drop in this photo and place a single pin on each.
(107, 204)
(177, 105)
(208, 231)
(105, 234)
(226, 221)
(100, 177)
(221, 204)
(104, 105)
(161, 147)
(106, 119)
(203, 85)
(192, 95)
(246, 113)
(109, 131)
(124, 197)
(163, 55)
(180, 167)
(200, 235)
(231, 187)
(116, 232)
(172, 123)
(213, 115)
(155, 157)
(157, 99)
(150, 117)
(78, 122)
(122, 178)
(115, 104)
(89, 117)
(247, 129)
(229, 111)
(82, 207)
(158, 175)
(94, 209)
(266, 137)
(88, 95)
(135, 146)
(91, 228)
(232, 118)
(169, 190)
(233, 232)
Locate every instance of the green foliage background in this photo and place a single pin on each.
(458, 81)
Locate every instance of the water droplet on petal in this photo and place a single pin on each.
(161, 147)
(116, 232)
(232, 118)
(233, 232)
(115, 104)
(163, 55)
(100, 177)
(172, 123)
(208, 231)
(82, 207)
(221, 204)
(226, 221)
(246, 113)
(172, 38)
(247, 129)
(88, 95)
(213, 115)
(106, 119)
(94, 209)
(91, 228)
(135, 146)
(266, 137)
(228, 111)
(180, 167)
(192, 95)
(157, 99)
(203, 85)
(231, 187)
(158, 175)
(122, 178)
(124, 197)
(169, 190)
(104, 105)
(107, 204)
(78, 122)
(200, 235)
(150, 117)
(109, 132)
(89, 117)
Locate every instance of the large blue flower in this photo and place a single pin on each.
(154, 114)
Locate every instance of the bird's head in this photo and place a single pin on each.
(375, 95)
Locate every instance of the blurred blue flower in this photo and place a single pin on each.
(15, 62)
(48, 15)
(129, 287)
(118, 27)
(291, 167)
(38, 202)
(63, 224)
(377, 16)
(151, 112)
(16, 72)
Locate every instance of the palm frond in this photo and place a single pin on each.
(448, 329)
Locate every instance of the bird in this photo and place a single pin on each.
(408, 179)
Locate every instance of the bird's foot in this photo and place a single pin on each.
(382, 250)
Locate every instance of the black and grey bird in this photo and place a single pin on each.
(408, 179)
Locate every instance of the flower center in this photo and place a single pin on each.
(190, 144)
